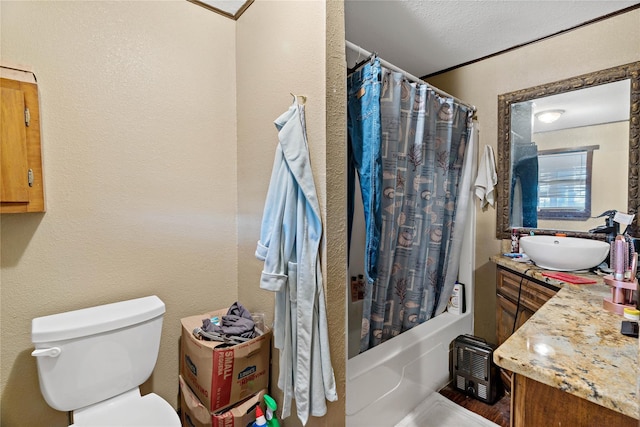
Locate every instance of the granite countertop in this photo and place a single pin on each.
(572, 343)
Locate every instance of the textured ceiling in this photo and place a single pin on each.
(425, 37)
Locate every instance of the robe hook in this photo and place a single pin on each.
(303, 99)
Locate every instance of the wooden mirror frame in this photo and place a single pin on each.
(629, 71)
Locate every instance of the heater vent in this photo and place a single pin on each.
(472, 363)
(479, 366)
(460, 383)
(463, 360)
(482, 391)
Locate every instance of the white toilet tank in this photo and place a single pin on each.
(89, 355)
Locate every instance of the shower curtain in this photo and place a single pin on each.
(424, 139)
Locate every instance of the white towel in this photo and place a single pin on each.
(487, 178)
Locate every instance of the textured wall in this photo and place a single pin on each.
(138, 130)
(335, 254)
(594, 47)
(281, 50)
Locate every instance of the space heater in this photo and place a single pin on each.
(473, 370)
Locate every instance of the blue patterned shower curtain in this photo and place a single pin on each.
(424, 139)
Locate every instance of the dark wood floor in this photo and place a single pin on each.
(499, 412)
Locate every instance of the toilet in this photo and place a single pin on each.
(92, 361)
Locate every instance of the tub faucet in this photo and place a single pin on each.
(611, 228)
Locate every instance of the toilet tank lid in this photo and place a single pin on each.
(95, 320)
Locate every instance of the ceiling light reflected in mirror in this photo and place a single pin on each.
(549, 116)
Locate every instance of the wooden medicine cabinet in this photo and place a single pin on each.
(21, 181)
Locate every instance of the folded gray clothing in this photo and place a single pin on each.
(237, 322)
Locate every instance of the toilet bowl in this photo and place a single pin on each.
(92, 362)
(127, 409)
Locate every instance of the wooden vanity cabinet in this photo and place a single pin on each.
(532, 296)
(21, 181)
(506, 317)
(537, 404)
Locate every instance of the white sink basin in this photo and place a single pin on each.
(564, 253)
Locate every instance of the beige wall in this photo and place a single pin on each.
(282, 48)
(138, 110)
(156, 170)
(153, 187)
(604, 44)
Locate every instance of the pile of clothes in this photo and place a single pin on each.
(236, 327)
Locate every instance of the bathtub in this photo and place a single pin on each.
(387, 382)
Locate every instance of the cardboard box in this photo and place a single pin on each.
(194, 414)
(221, 375)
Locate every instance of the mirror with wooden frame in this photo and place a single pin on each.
(559, 176)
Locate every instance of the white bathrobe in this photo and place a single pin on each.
(289, 246)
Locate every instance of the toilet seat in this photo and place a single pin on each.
(128, 409)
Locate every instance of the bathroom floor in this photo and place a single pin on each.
(498, 413)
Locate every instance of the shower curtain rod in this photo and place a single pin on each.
(409, 76)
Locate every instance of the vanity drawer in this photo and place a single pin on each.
(533, 294)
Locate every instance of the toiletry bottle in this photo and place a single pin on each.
(360, 287)
(515, 241)
(354, 289)
(456, 302)
(631, 314)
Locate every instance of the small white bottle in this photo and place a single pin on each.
(456, 303)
